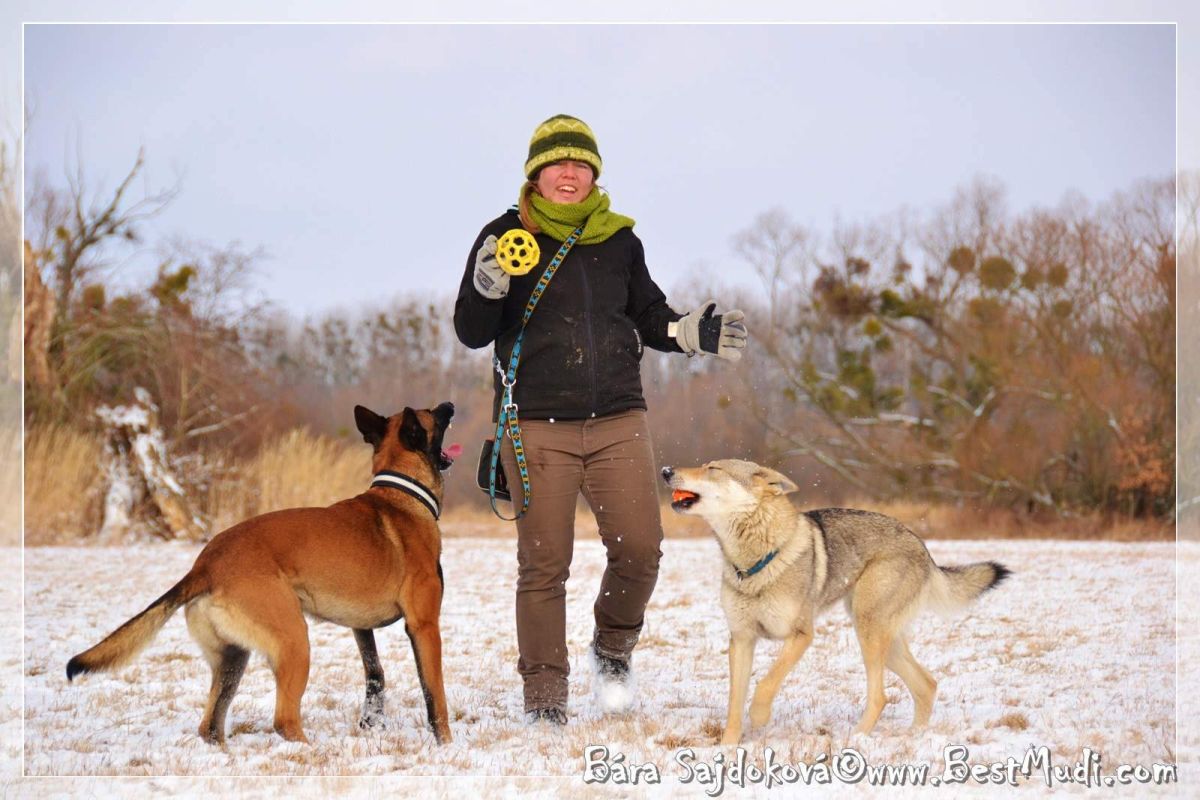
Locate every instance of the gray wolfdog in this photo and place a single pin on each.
(784, 566)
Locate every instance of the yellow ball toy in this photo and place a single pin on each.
(517, 252)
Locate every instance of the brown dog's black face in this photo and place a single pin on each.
(417, 431)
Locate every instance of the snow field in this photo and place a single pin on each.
(1076, 650)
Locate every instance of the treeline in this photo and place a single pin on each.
(10, 350)
(1188, 389)
(1022, 361)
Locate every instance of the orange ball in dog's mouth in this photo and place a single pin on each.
(681, 498)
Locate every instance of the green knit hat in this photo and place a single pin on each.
(559, 138)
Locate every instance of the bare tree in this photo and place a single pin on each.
(1022, 361)
(73, 230)
(777, 250)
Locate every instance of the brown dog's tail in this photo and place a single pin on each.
(123, 645)
(951, 589)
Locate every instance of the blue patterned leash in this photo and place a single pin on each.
(508, 408)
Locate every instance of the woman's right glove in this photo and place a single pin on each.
(490, 280)
(722, 335)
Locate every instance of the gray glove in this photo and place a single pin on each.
(490, 281)
(722, 335)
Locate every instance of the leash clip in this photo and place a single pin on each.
(509, 405)
(505, 381)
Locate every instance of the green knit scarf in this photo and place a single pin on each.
(561, 219)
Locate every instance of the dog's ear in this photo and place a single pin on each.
(412, 432)
(773, 482)
(443, 413)
(370, 425)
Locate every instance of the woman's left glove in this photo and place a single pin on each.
(490, 280)
(701, 331)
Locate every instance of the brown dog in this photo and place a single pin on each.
(364, 563)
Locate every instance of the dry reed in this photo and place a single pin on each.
(10, 486)
(63, 485)
(927, 520)
(946, 521)
(294, 470)
(63, 496)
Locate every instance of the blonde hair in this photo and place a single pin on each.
(523, 207)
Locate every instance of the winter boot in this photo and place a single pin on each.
(613, 682)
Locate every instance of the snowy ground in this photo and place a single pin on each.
(1076, 651)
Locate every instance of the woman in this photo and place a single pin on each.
(581, 412)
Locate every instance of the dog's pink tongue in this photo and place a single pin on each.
(454, 451)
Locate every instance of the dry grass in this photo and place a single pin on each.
(296, 469)
(939, 521)
(478, 522)
(1015, 721)
(63, 486)
(63, 496)
(928, 520)
(10, 486)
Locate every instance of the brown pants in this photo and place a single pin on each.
(610, 459)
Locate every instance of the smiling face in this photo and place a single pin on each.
(565, 181)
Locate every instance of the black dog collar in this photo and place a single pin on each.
(410, 486)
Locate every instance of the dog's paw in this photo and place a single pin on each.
(372, 721)
(212, 737)
(731, 737)
(760, 714)
(292, 732)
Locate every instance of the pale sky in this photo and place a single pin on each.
(363, 159)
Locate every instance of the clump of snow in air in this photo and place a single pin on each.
(612, 696)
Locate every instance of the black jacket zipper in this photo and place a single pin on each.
(593, 398)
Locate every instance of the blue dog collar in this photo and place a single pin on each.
(757, 568)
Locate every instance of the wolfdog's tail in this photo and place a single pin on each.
(951, 589)
(123, 645)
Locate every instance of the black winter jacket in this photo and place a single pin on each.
(582, 350)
